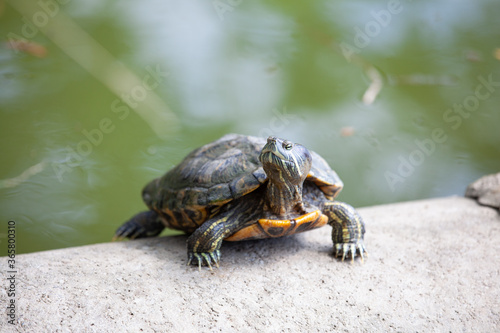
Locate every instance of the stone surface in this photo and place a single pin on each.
(434, 266)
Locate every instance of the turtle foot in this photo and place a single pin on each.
(130, 230)
(145, 224)
(350, 250)
(204, 259)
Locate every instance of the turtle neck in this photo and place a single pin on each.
(284, 198)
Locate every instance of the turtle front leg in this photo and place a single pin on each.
(145, 224)
(348, 230)
(205, 242)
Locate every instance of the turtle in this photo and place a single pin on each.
(242, 188)
(486, 191)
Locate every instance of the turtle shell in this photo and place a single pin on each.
(216, 174)
(324, 177)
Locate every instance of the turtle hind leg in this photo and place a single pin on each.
(348, 230)
(144, 224)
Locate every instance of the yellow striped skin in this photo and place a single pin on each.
(348, 229)
(240, 188)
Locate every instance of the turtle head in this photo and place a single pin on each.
(285, 162)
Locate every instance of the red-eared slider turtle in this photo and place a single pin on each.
(242, 187)
(486, 190)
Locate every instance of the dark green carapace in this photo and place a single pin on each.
(243, 187)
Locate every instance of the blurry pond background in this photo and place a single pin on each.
(97, 98)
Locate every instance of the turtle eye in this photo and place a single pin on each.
(287, 145)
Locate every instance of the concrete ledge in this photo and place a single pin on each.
(434, 265)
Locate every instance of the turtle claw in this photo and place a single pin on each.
(346, 250)
(204, 259)
(130, 230)
(144, 224)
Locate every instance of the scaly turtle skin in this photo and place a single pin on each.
(242, 187)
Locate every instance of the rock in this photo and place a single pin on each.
(486, 190)
(433, 265)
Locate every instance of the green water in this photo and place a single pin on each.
(401, 98)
